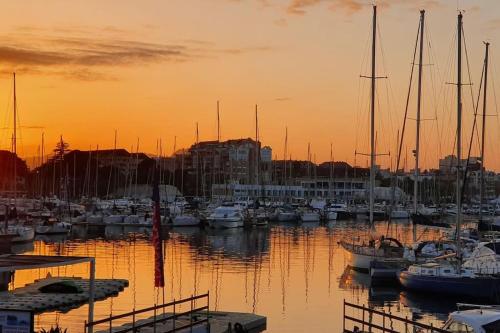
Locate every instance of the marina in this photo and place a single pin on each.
(278, 267)
(262, 229)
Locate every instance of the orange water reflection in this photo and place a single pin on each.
(292, 274)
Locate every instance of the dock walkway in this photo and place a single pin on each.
(220, 322)
(30, 298)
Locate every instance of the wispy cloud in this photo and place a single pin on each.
(86, 59)
(282, 99)
(299, 7)
(493, 24)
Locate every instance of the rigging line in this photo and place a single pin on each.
(474, 127)
(496, 101)
(407, 101)
(431, 57)
(384, 67)
(470, 88)
(443, 136)
(361, 84)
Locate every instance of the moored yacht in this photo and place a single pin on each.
(226, 217)
(309, 215)
(52, 226)
(186, 220)
(476, 319)
(447, 278)
(360, 256)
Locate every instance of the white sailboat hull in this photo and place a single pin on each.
(185, 221)
(331, 216)
(309, 217)
(226, 223)
(286, 216)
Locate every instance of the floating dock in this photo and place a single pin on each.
(185, 315)
(31, 298)
(219, 321)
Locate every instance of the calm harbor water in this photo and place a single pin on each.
(293, 274)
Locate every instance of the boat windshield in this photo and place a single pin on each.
(492, 327)
(495, 246)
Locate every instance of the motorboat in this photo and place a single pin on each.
(341, 210)
(52, 226)
(23, 234)
(309, 215)
(474, 319)
(399, 213)
(114, 219)
(286, 214)
(226, 217)
(186, 220)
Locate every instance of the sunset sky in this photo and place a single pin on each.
(153, 68)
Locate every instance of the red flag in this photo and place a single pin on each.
(157, 240)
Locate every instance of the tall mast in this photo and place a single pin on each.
(459, 130)
(483, 130)
(42, 179)
(14, 141)
(332, 166)
(372, 116)
(197, 159)
(256, 146)
(419, 105)
(285, 157)
(218, 123)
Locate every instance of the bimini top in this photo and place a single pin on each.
(15, 262)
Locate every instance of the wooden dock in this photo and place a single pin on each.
(219, 321)
(31, 298)
(186, 315)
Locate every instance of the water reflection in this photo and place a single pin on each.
(293, 274)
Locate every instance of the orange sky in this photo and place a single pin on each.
(152, 69)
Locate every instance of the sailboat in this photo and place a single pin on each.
(360, 256)
(21, 234)
(446, 276)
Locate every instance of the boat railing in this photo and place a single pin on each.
(178, 315)
(360, 318)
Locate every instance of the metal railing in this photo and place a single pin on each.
(162, 314)
(380, 321)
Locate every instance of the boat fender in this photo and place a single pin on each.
(238, 328)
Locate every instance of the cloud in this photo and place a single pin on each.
(299, 7)
(87, 59)
(493, 24)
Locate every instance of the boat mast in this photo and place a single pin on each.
(197, 160)
(372, 116)
(256, 146)
(459, 130)
(483, 130)
(14, 141)
(332, 166)
(218, 123)
(419, 105)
